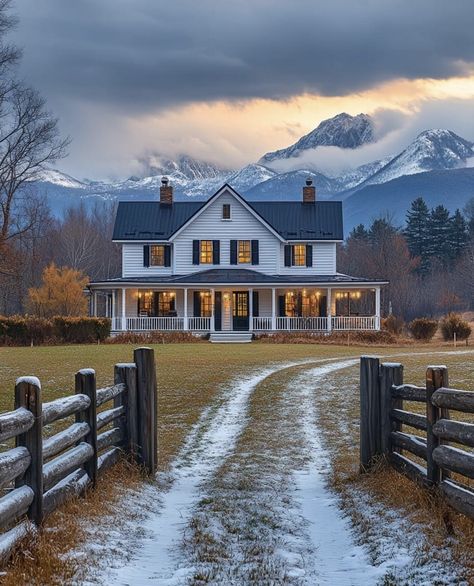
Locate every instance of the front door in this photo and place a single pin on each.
(240, 305)
(218, 311)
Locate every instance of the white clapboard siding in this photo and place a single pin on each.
(243, 226)
(324, 261)
(132, 263)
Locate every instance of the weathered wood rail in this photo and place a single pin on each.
(42, 471)
(427, 459)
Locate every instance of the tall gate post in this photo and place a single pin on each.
(390, 374)
(127, 374)
(147, 408)
(28, 395)
(369, 411)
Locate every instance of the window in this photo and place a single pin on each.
(206, 252)
(226, 211)
(299, 255)
(157, 255)
(244, 252)
(145, 303)
(206, 304)
(302, 304)
(156, 303)
(166, 304)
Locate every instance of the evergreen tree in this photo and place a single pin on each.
(469, 213)
(417, 232)
(459, 235)
(359, 233)
(440, 227)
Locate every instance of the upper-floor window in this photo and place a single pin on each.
(244, 252)
(157, 255)
(226, 211)
(205, 254)
(298, 255)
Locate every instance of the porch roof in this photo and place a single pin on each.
(239, 277)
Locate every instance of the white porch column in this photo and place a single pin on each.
(213, 316)
(273, 308)
(250, 309)
(124, 319)
(186, 323)
(113, 316)
(329, 309)
(377, 308)
(94, 304)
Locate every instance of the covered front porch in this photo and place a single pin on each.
(239, 308)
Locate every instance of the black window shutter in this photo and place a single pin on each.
(167, 256)
(233, 252)
(255, 303)
(195, 252)
(255, 259)
(146, 255)
(288, 255)
(216, 252)
(281, 305)
(197, 304)
(309, 255)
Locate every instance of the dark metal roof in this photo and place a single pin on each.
(149, 220)
(239, 276)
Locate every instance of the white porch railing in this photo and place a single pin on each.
(138, 324)
(199, 324)
(302, 323)
(355, 323)
(262, 324)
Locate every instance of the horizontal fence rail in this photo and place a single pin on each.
(45, 469)
(427, 459)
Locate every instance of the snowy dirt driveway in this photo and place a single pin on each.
(246, 500)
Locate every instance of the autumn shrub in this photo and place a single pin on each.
(423, 328)
(155, 338)
(340, 338)
(454, 324)
(393, 324)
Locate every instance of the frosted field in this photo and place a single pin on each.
(258, 475)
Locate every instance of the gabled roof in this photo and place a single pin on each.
(292, 220)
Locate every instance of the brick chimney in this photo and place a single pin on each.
(166, 192)
(309, 191)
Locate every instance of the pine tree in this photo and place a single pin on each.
(469, 213)
(359, 233)
(440, 227)
(417, 232)
(459, 235)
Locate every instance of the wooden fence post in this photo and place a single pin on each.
(390, 374)
(370, 429)
(147, 406)
(86, 384)
(436, 377)
(127, 374)
(28, 395)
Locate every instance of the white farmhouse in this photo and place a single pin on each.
(231, 267)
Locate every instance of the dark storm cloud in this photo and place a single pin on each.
(140, 55)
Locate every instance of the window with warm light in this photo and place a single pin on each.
(244, 252)
(299, 255)
(206, 252)
(166, 303)
(157, 255)
(145, 303)
(206, 304)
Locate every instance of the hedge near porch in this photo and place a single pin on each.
(20, 330)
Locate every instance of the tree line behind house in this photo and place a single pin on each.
(429, 261)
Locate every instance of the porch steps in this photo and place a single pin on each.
(230, 338)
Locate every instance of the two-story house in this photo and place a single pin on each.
(229, 265)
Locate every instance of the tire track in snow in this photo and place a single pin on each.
(208, 445)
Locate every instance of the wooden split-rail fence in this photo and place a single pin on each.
(428, 459)
(40, 472)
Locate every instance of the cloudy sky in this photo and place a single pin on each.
(228, 81)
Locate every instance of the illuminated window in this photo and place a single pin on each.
(291, 305)
(226, 211)
(299, 255)
(206, 304)
(157, 255)
(244, 252)
(206, 252)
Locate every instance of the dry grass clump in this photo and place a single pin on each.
(155, 338)
(376, 338)
(42, 559)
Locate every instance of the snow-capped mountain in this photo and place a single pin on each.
(432, 150)
(343, 131)
(183, 167)
(249, 176)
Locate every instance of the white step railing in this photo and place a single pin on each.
(199, 324)
(355, 323)
(262, 324)
(302, 323)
